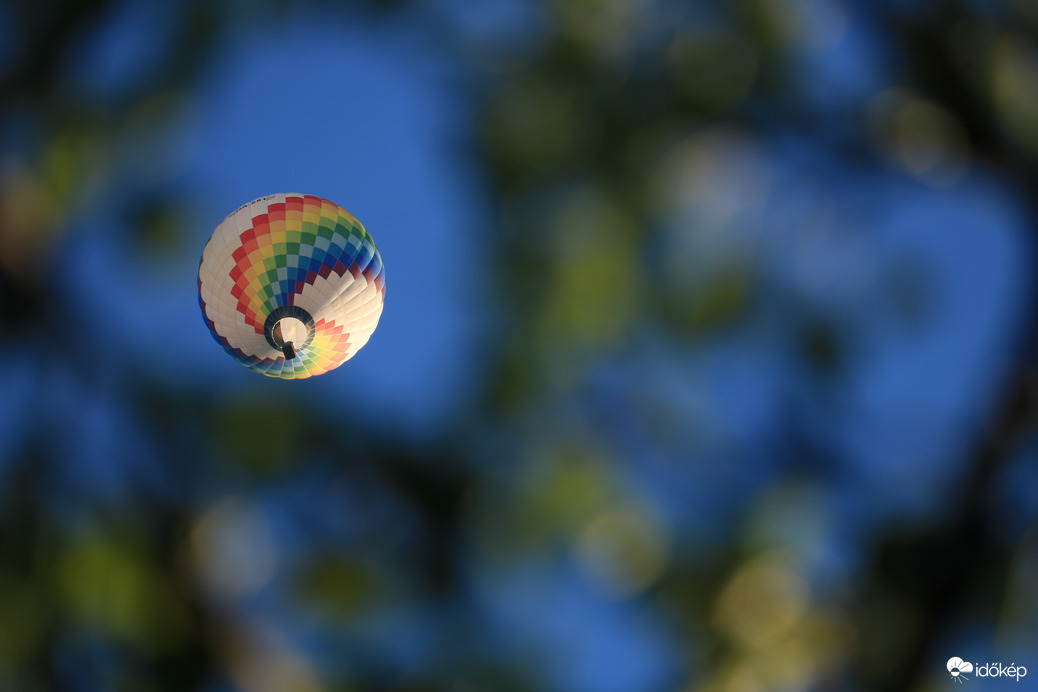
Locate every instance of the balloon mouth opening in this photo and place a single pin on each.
(289, 329)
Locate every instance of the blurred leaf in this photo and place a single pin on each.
(260, 435)
(337, 587)
(161, 225)
(1015, 82)
(714, 72)
(715, 304)
(75, 162)
(113, 586)
(24, 619)
(820, 344)
(546, 514)
(626, 548)
(536, 125)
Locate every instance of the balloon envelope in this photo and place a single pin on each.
(291, 285)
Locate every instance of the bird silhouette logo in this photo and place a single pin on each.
(958, 668)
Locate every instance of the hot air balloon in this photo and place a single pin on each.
(291, 285)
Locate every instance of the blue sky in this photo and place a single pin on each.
(360, 115)
(369, 116)
(362, 118)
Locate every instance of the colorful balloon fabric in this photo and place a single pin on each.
(291, 285)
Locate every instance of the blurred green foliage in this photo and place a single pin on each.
(628, 139)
